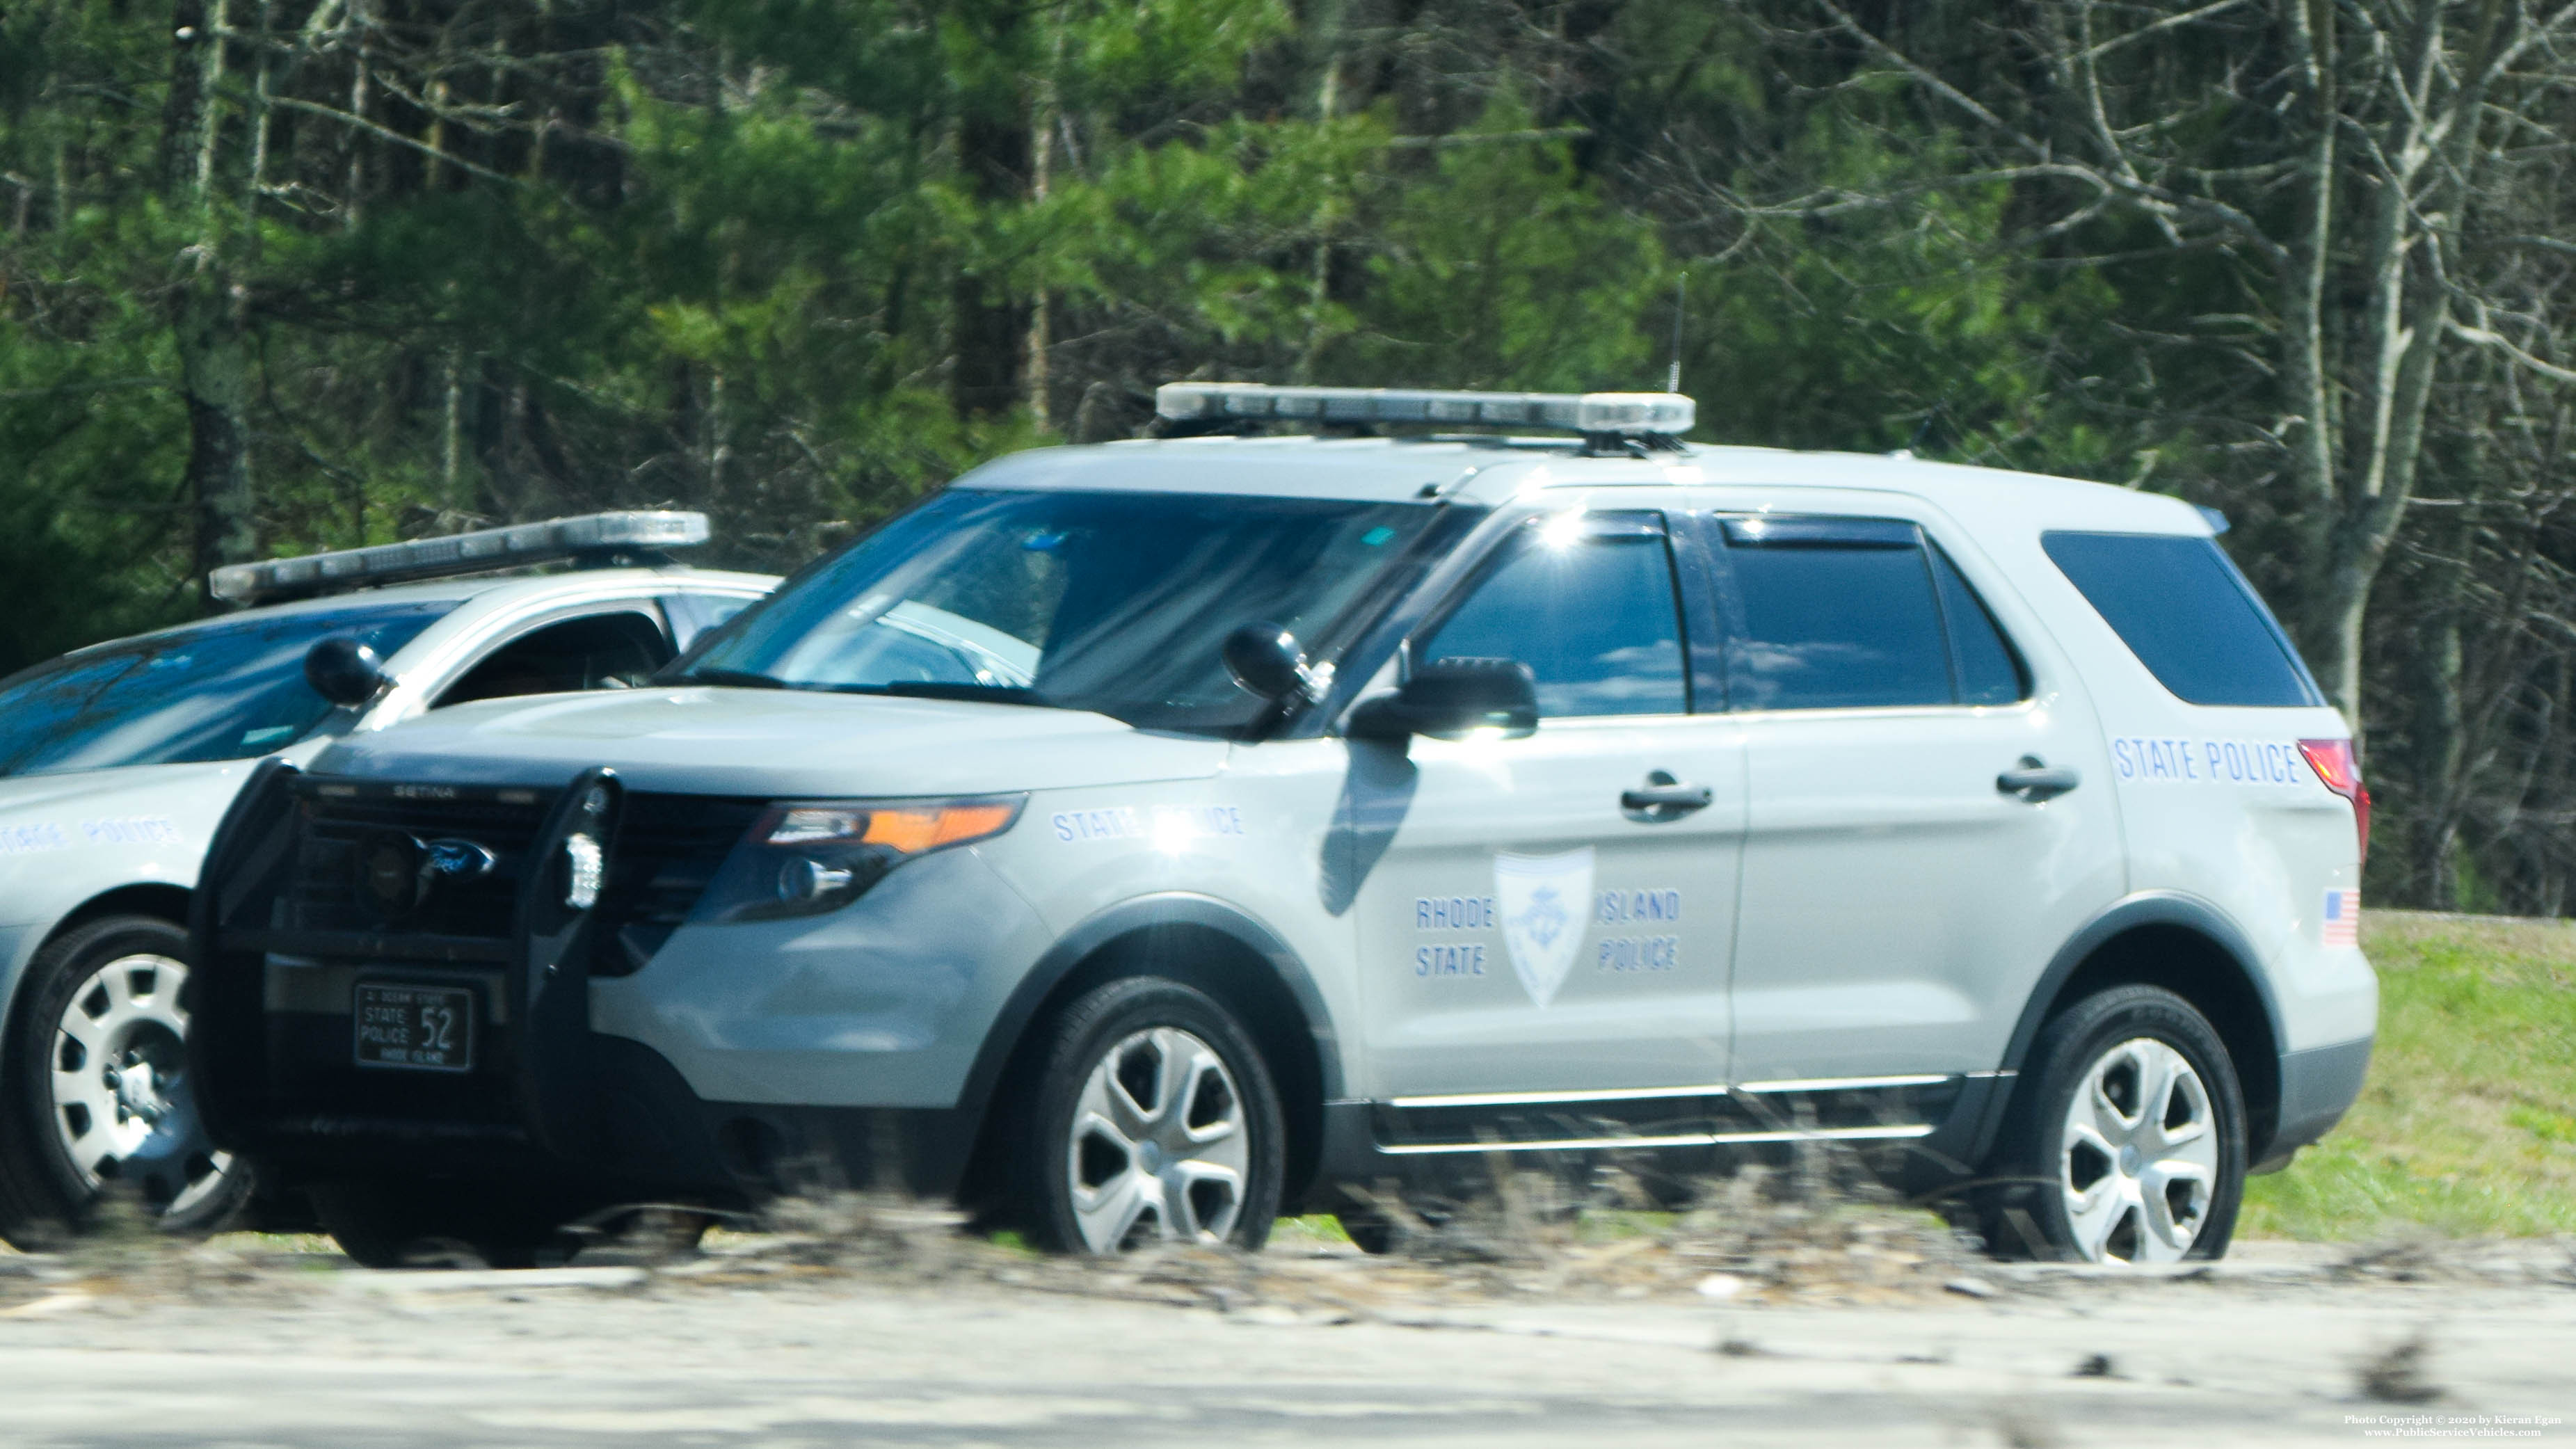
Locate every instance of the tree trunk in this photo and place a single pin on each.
(2440, 724)
(990, 326)
(214, 379)
(209, 309)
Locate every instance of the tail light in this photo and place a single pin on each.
(2335, 765)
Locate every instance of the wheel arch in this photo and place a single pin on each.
(143, 898)
(1201, 942)
(158, 899)
(2188, 947)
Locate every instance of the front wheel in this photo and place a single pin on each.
(96, 1092)
(2128, 1143)
(1154, 1120)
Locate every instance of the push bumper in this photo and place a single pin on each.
(548, 1100)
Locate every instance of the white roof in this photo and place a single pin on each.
(1491, 471)
(497, 591)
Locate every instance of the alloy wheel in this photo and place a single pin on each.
(2139, 1152)
(121, 1108)
(1160, 1147)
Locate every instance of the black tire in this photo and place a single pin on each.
(138, 1129)
(395, 1224)
(1135, 1018)
(2040, 1161)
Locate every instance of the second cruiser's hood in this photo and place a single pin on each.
(774, 744)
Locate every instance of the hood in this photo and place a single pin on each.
(775, 744)
(84, 789)
(193, 792)
(66, 837)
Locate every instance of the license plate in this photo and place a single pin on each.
(419, 1028)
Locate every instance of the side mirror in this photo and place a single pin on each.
(1267, 660)
(344, 671)
(1450, 699)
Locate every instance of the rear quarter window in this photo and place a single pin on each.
(2187, 614)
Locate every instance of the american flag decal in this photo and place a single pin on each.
(2341, 923)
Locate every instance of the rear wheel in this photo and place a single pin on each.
(413, 1224)
(2128, 1145)
(1154, 1120)
(97, 1092)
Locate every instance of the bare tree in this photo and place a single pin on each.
(2332, 156)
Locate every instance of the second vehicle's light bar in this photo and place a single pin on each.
(1666, 414)
(481, 551)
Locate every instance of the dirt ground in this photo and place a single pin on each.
(887, 1329)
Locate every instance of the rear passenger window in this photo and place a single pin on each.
(2187, 614)
(1836, 613)
(1594, 615)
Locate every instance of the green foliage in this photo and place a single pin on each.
(797, 262)
(763, 305)
(1498, 265)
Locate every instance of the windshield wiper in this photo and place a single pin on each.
(732, 679)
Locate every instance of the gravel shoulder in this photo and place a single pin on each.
(2273, 1347)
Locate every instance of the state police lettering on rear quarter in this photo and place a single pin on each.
(2208, 761)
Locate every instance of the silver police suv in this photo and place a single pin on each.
(116, 762)
(1142, 840)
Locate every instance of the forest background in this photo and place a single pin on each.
(278, 275)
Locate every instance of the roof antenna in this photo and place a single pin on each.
(1673, 375)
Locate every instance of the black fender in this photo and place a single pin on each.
(245, 865)
(1144, 913)
(1969, 1134)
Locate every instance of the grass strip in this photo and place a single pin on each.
(2464, 1127)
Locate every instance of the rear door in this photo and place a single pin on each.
(1900, 894)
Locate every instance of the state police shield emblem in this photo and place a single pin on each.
(1544, 901)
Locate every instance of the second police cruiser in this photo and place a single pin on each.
(1142, 840)
(116, 762)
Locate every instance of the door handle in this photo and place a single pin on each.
(2035, 780)
(1665, 798)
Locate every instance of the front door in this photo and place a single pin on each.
(1532, 923)
(1900, 900)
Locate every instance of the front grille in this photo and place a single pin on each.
(463, 931)
(340, 821)
(667, 849)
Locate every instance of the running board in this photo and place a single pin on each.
(1684, 1139)
(1822, 1109)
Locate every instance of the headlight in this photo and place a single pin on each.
(805, 859)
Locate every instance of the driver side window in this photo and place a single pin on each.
(602, 651)
(1592, 610)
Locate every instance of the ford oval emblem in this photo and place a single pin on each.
(453, 859)
(397, 872)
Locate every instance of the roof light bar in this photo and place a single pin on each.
(464, 553)
(1625, 413)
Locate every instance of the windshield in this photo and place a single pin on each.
(1112, 602)
(221, 692)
